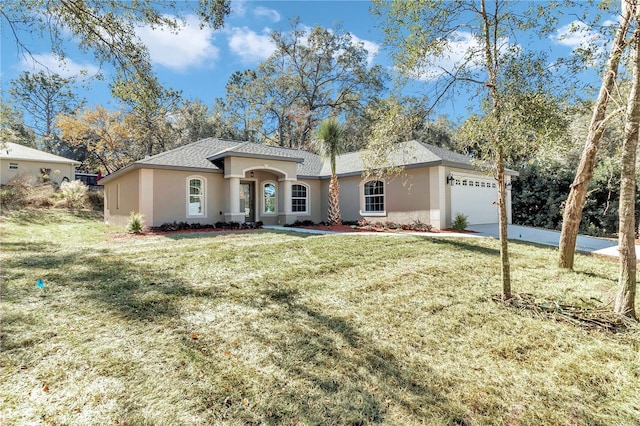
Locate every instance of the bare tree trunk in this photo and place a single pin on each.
(503, 219)
(333, 215)
(625, 299)
(578, 193)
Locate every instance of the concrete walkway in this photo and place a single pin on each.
(604, 246)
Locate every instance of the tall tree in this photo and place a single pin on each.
(104, 27)
(43, 96)
(331, 72)
(577, 195)
(625, 299)
(313, 74)
(13, 129)
(150, 106)
(194, 121)
(102, 134)
(329, 135)
(419, 32)
(240, 105)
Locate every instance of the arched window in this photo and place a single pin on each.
(269, 197)
(374, 196)
(196, 203)
(299, 198)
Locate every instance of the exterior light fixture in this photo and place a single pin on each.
(450, 179)
(251, 174)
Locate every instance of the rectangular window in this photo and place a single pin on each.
(13, 166)
(298, 198)
(196, 198)
(374, 196)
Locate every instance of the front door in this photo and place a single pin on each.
(247, 201)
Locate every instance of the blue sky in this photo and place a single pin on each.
(199, 62)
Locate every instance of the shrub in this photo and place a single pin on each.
(135, 225)
(24, 191)
(74, 193)
(96, 200)
(460, 222)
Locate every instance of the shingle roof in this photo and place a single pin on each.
(199, 155)
(202, 155)
(193, 155)
(14, 151)
(407, 154)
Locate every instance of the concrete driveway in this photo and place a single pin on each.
(605, 246)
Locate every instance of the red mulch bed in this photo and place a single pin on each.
(180, 231)
(332, 228)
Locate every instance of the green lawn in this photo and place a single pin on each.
(262, 327)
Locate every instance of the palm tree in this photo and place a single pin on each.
(330, 135)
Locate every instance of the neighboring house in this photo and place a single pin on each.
(215, 180)
(21, 160)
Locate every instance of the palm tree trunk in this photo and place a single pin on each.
(333, 214)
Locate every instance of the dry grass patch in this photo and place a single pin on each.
(265, 327)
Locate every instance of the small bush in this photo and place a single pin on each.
(136, 223)
(23, 191)
(418, 226)
(96, 200)
(75, 194)
(460, 222)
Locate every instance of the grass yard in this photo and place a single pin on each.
(262, 327)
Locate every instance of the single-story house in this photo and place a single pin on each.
(16, 159)
(216, 180)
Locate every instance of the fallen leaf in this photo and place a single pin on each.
(227, 352)
(245, 401)
(45, 387)
(194, 336)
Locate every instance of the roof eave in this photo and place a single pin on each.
(61, 161)
(256, 156)
(136, 166)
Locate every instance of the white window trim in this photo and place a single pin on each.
(363, 204)
(307, 211)
(203, 196)
(263, 204)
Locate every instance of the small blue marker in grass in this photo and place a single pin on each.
(40, 283)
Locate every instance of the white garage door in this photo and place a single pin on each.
(475, 197)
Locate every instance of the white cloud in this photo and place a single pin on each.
(270, 14)
(51, 63)
(371, 47)
(577, 35)
(250, 46)
(461, 50)
(188, 47)
(239, 8)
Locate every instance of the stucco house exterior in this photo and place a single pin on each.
(214, 180)
(16, 159)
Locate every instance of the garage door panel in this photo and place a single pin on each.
(476, 198)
